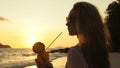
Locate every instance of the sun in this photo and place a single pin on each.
(31, 41)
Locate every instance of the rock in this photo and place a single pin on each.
(65, 50)
(4, 46)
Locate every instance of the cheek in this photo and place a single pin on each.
(72, 29)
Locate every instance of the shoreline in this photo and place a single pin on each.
(61, 61)
(57, 63)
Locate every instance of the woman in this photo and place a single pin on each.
(85, 22)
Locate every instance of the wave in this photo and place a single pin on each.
(20, 64)
(20, 58)
(32, 54)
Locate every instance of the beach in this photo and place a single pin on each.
(60, 62)
(57, 63)
(22, 57)
(114, 60)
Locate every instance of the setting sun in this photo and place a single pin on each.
(32, 41)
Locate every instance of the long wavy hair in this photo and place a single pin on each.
(89, 23)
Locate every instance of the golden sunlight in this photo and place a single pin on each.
(31, 34)
(29, 41)
(32, 41)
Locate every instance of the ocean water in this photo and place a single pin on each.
(21, 57)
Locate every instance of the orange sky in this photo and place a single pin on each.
(24, 22)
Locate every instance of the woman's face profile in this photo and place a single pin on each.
(71, 24)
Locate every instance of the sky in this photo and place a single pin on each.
(24, 22)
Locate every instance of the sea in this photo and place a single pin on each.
(22, 57)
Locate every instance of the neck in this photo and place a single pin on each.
(81, 39)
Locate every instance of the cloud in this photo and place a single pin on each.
(3, 19)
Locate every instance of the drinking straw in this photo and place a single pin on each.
(54, 40)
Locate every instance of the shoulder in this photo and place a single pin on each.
(75, 50)
(75, 58)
